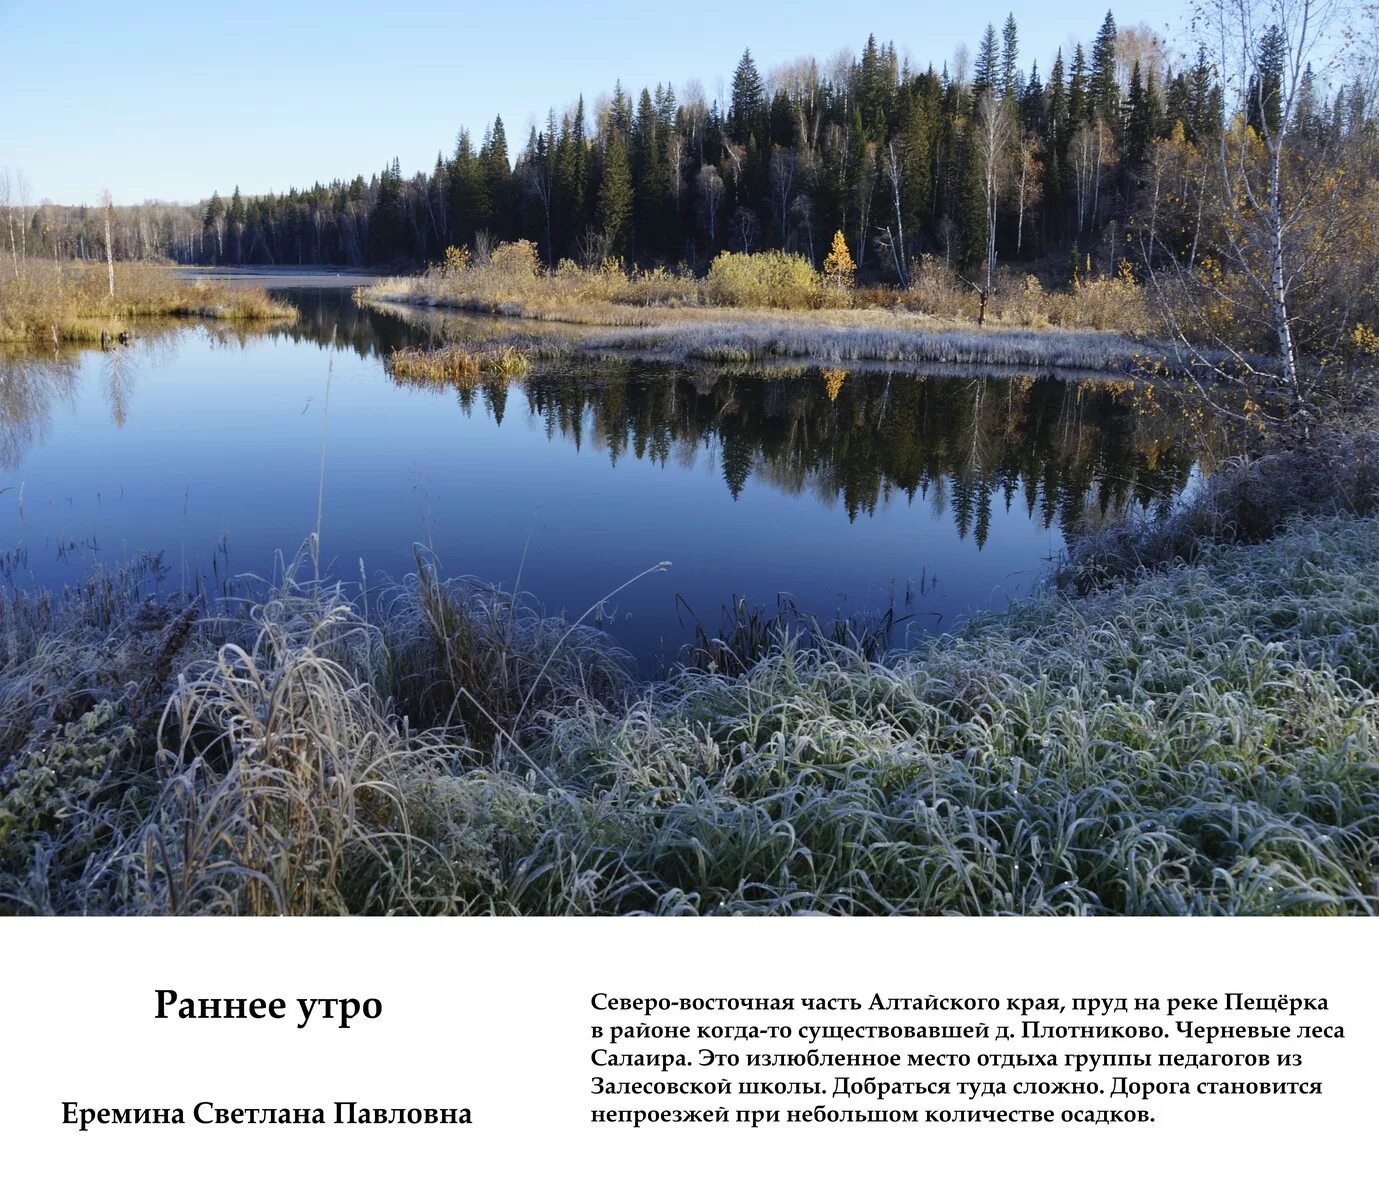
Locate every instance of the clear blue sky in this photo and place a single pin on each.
(174, 100)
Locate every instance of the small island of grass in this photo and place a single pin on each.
(53, 303)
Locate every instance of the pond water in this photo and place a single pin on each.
(940, 495)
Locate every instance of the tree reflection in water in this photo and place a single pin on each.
(1063, 450)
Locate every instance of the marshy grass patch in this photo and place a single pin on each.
(51, 303)
(457, 364)
(772, 304)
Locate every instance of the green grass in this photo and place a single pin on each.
(1200, 740)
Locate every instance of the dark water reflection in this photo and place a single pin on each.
(969, 447)
(844, 490)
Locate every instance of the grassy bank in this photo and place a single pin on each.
(71, 302)
(759, 307)
(1201, 740)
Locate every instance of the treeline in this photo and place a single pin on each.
(979, 162)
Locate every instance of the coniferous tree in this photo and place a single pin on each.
(497, 172)
(986, 74)
(1033, 114)
(1079, 110)
(872, 90)
(234, 220)
(572, 182)
(213, 226)
(615, 195)
(1103, 94)
(1266, 82)
(748, 99)
(469, 200)
(1137, 123)
(1010, 59)
(386, 221)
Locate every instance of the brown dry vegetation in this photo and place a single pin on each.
(71, 302)
(453, 364)
(510, 282)
(761, 307)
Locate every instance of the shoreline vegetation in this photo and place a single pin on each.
(768, 306)
(1197, 733)
(51, 303)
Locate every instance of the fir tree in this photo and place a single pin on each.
(234, 220)
(386, 222)
(213, 223)
(615, 195)
(749, 98)
(1079, 110)
(1033, 114)
(873, 90)
(987, 71)
(1266, 83)
(469, 202)
(1103, 95)
(1137, 124)
(1010, 59)
(1058, 104)
(497, 172)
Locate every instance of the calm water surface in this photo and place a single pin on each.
(941, 495)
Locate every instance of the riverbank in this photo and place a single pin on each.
(1203, 739)
(53, 303)
(773, 306)
(852, 338)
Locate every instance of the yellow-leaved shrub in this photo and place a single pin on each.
(770, 279)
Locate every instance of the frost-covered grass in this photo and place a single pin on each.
(1200, 740)
(850, 337)
(1245, 500)
(746, 336)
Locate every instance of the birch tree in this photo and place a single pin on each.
(1031, 188)
(1271, 212)
(894, 177)
(993, 132)
(711, 189)
(108, 212)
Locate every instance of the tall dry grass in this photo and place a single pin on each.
(771, 305)
(70, 302)
(455, 364)
(509, 281)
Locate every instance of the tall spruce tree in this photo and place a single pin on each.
(469, 201)
(986, 73)
(615, 195)
(1103, 94)
(748, 100)
(497, 171)
(1010, 59)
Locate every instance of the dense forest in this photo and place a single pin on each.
(977, 161)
